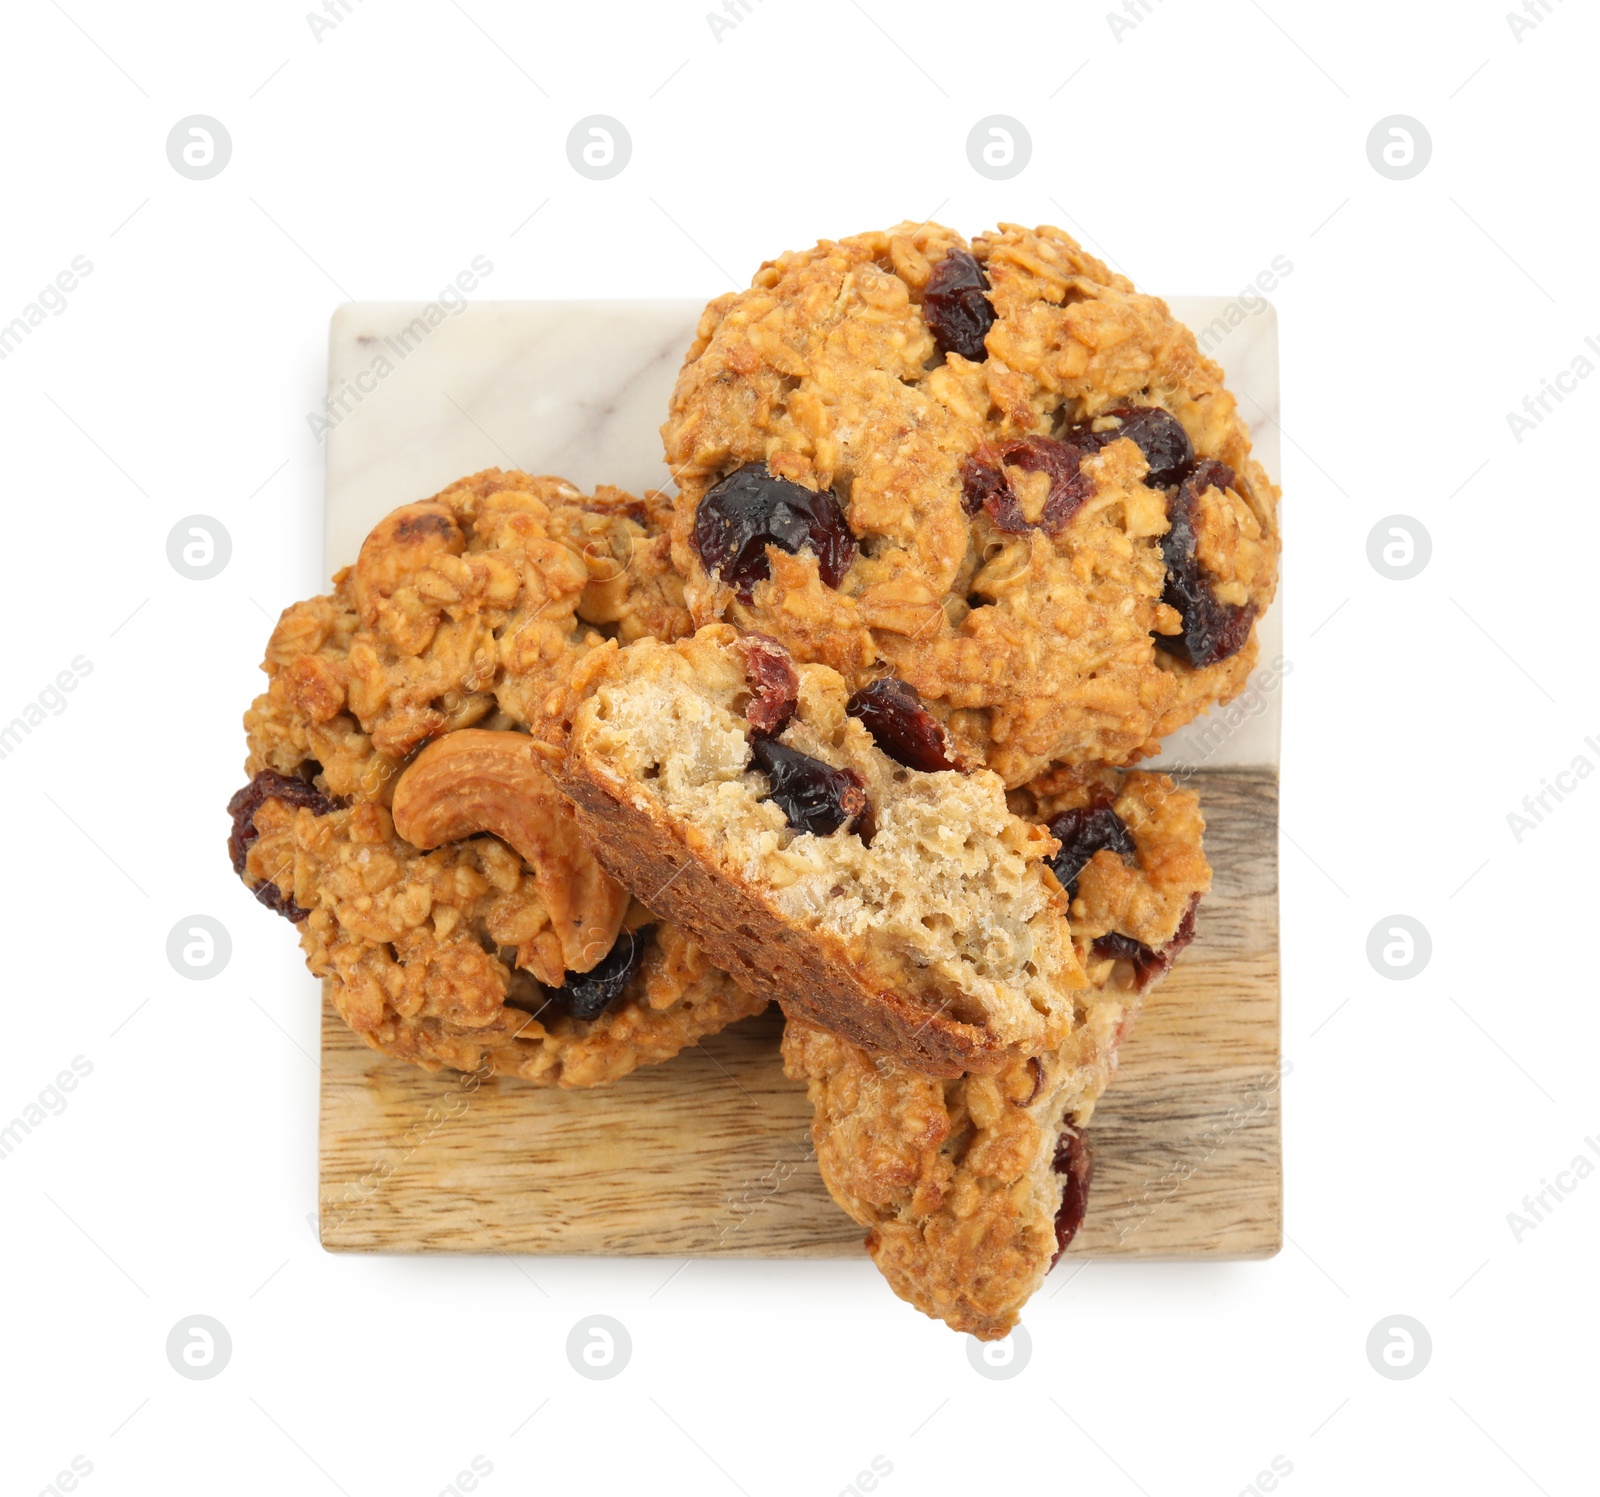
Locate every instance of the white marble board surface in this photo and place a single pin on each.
(420, 395)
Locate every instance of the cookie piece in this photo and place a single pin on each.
(471, 608)
(440, 886)
(994, 471)
(905, 908)
(511, 952)
(1132, 862)
(972, 1187)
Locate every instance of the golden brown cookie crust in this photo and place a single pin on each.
(1035, 647)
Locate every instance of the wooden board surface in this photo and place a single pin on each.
(710, 1154)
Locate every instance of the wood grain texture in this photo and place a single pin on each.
(709, 1155)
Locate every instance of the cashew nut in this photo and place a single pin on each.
(484, 780)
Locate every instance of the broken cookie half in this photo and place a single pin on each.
(972, 1188)
(826, 849)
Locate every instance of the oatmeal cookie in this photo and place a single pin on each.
(994, 471)
(469, 608)
(825, 847)
(973, 1186)
(399, 812)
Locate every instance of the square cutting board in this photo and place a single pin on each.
(1188, 1160)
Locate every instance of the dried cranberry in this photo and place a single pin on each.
(1212, 630)
(1082, 833)
(587, 995)
(813, 796)
(955, 305)
(901, 726)
(242, 807)
(1159, 434)
(984, 484)
(271, 897)
(750, 509)
(1069, 487)
(1074, 1162)
(1149, 965)
(774, 686)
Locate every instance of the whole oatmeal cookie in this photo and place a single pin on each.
(973, 1186)
(826, 847)
(997, 472)
(468, 608)
(506, 946)
(399, 813)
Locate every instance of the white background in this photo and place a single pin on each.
(376, 163)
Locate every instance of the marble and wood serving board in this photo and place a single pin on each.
(1187, 1141)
